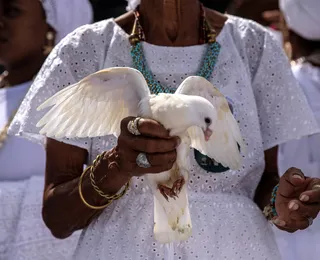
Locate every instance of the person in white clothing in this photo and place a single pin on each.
(29, 29)
(303, 20)
(226, 206)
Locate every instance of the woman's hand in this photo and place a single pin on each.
(154, 141)
(297, 201)
(65, 165)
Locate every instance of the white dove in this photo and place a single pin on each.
(198, 113)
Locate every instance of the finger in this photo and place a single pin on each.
(152, 128)
(301, 224)
(282, 225)
(300, 210)
(153, 158)
(158, 159)
(312, 195)
(291, 224)
(151, 145)
(291, 183)
(132, 167)
(146, 127)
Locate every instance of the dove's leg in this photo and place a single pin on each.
(167, 192)
(178, 184)
(174, 191)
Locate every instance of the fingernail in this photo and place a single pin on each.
(304, 198)
(297, 176)
(279, 222)
(293, 205)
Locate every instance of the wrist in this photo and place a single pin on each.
(270, 210)
(108, 175)
(264, 189)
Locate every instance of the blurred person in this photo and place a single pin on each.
(253, 9)
(264, 12)
(303, 33)
(29, 30)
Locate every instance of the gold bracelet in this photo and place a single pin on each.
(98, 190)
(83, 199)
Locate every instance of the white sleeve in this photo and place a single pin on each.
(283, 110)
(79, 54)
(304, 153)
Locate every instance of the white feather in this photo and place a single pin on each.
(223, 144)
(96, 105)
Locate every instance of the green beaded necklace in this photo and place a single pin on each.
(140, 63)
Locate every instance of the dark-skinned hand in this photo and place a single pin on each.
(154, 140)
(298, 198)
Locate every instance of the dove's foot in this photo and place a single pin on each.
(178, 184)
(167, 192)
(172, 192)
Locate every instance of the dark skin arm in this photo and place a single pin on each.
(269, 180)
(64, 166)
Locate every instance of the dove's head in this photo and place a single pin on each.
(205, 115)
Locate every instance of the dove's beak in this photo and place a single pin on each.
(207, 134)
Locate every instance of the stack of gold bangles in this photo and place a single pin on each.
(109, 198)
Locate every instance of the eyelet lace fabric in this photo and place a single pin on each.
(253, 72)
(23, 234)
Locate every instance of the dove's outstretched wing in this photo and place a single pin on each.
(95, 105)
(226, 139)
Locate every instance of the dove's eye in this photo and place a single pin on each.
(207, 120)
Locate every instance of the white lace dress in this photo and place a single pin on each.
(253, 72)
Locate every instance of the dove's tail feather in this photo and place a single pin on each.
(172, 221)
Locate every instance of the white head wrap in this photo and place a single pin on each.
(302, 17)
(132, 4)
(66, 15)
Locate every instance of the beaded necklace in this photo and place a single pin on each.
(207, 34)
